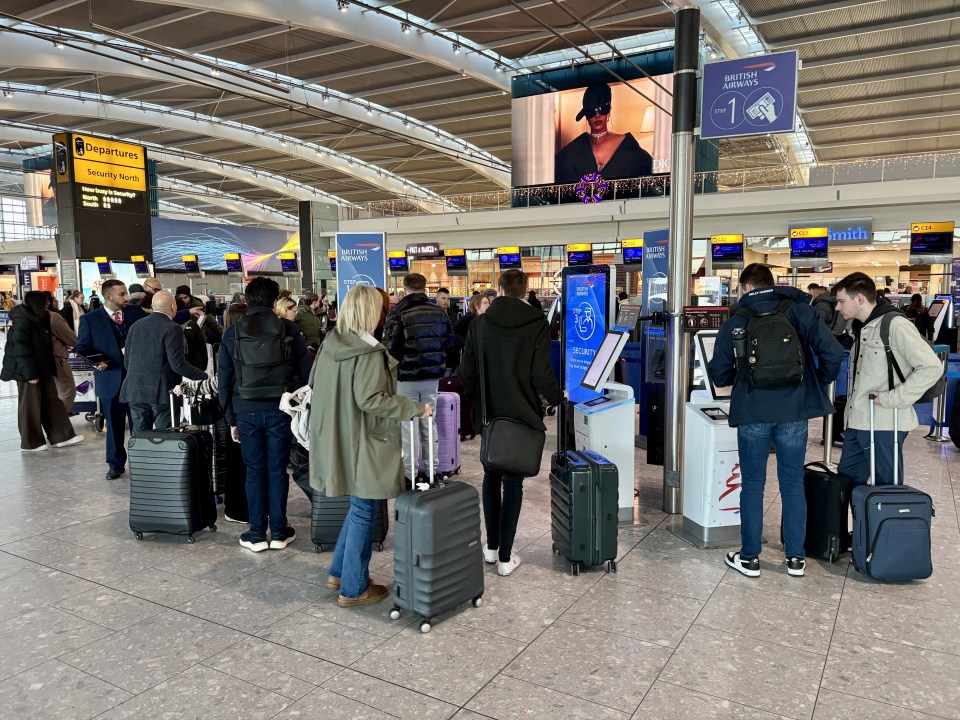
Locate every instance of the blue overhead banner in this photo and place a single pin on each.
(749, 96)
(653, 295)
(361, 260)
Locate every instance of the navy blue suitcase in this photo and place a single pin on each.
(891, 525)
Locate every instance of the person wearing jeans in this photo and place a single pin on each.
(355, 436)
(424, 392)
(265, 441)
(778, 415)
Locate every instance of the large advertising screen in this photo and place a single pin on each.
(259, 248)
(584, 124)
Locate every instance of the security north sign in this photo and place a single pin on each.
(750, 96)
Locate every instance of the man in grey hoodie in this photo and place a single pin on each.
(857, 300)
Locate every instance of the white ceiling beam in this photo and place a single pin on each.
(877, 54)
(163, 20)
(851, 31)
(859, 122)
(866, 79)
(888, 139)
(889, 98)
(95, 58)
(809, 10)
(240, 206)
(235, 40)
(41, 11)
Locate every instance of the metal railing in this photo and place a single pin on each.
(772, 177)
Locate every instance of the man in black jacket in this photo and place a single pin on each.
(155, 362)
(516, 372)
(418, 333)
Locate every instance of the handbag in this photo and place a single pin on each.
(507, 446)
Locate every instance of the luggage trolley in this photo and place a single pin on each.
(87, 401)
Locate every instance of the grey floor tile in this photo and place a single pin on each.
(161, 587)
(625, 609)
(672, 702)
(152, 651)
(822, 582)
(330, 706)
(273, 667)
(202, 693)
(321, 638)
(39, 548)
(372, 619)
(894, 674)
(110, 608)
(470, 715)
(115, 561)
(55, 690)
(96, 533)
(398, 701)
(747, 671)
(596, 666)
(897, 619)
(507, 698)
(35, 587)
(942, 587)
(791, 621)
(33, 638)
(221, 564)
(540, 568)
(508, 609)
(307, 567)
(692, 577)
(833, 705)
(424, 662)
(11, 564)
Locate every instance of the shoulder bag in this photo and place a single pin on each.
(508, 446)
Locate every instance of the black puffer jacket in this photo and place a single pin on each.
(418, 333)
(29, 350)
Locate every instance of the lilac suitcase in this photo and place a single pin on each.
(447, 418)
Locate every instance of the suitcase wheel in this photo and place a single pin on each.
(574, 568)
(425, 626)
(379, 547)
(395, 614)
(318, 548)
(477, 601)
(191, 539)
(138, 535)
(212, 528)
(611, 566)
(555, 551)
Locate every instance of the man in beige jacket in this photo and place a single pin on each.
(871, 375)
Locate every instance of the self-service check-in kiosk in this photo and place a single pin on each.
(605, 424)
(711, 462)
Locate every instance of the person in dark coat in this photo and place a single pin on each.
(479, 304)
(533, 302)
(516, 373)
(613, 155)
(155, 362)
(780, 416)
(28, 359)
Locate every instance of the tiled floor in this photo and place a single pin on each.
(94, 624)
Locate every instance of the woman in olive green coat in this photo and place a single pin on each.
(307, 319)
(355, 436)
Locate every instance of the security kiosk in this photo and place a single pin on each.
(605, 424)
(711, 488)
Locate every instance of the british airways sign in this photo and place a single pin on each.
(840, 233)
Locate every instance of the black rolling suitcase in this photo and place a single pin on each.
(327, 514)
(452, 384)
(584, 496)
(828, 511)
(437, 555)
(170, 484)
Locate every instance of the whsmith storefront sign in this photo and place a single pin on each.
(841, 233)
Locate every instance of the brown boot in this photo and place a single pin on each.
(373, 594)
(333, 583)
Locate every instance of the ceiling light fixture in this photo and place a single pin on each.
(8, 93)
(326, 98)
(405, 26)
(283, 142)
(456, 48)
(144, 58)
(343, 5)
(498, 67)
(58, 44)
(369, 110)
(214, 72)
(406, 123)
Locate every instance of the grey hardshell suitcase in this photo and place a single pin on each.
(170, 482)
(891, 524)
(438, 559)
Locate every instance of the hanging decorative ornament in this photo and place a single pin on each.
(591, 188)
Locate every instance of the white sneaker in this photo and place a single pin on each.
(490, 556)
(72, 441)
(505, 568)
(36, 449)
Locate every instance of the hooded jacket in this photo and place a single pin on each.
(822, 355)
(825, 306)
(516, 358)
(918, 362)
(355, 419)
(29, 352)
(310, 325)
(417, 333)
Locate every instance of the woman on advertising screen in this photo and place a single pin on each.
(613, 155)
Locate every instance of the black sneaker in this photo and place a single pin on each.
(745, 566)
(795, 566)
(254, 541)
(283, 538)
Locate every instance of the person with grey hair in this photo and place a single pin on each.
(155, 362)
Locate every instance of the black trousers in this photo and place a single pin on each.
(502, 499)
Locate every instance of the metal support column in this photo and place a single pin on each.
(686, 59)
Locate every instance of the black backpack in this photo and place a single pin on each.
(774, 351)
(893, 366)
(263, 357)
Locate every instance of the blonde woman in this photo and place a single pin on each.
(355, 436)
(285, 308)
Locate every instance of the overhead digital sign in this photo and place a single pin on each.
(931, 242)
(191, 264)
(579, 254)
(632, 251)
(104, 267)
(234, 262)
(398, 262)
(288, 262)
(509, 258)
(332, 256)
(807, 244)
(140, 266)
(456, 261)
(726, 249)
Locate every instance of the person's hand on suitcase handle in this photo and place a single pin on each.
(428, 412)
(874, 396)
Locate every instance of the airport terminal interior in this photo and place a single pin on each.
(194, 145)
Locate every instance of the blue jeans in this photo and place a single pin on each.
(265, 441)
(351, 558)
(855, 456)
(422, 391)
(753, 442)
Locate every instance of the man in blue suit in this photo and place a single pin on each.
(102, 337)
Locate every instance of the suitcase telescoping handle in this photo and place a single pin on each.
(415, 456)
(872, 480)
